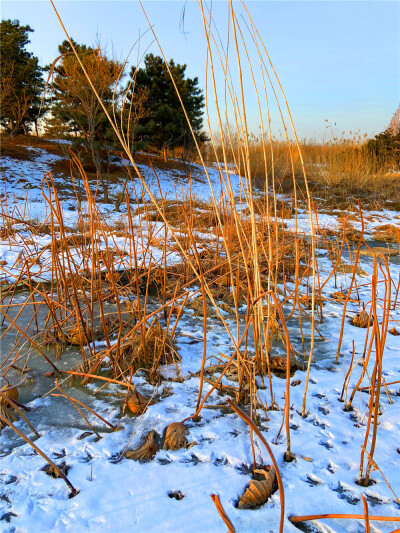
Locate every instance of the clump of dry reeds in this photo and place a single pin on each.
(134, 352)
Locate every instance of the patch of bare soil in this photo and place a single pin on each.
(18, 147)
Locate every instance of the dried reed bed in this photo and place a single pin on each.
(251, 267)
(342, 166)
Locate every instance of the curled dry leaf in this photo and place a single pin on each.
(132, 307)
(11, 393)
(51, 471)
(361, 320)
(6, 407)
(271, 312)
(273, 326)
(177, 494)
(278, 363)
(394, 331)
(137, 403)
(306, 301)
(258, 491)
(147, 451)
(339, 295)
(175, 436)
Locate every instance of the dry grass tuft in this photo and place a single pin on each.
(137, 351)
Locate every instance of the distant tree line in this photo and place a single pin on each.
(147, 105)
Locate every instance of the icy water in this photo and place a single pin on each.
(50, 412)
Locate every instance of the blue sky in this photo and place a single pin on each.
(336, 60)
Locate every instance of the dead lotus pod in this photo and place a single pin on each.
(361, 319)
(147, 451)
(258, 492)
(137, 403)
(175, 436)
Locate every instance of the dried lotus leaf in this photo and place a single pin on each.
(10, 393)
(175, 436)
(227, 308)
(6, 407)
(306, 301)
(273, 326)
(339, 295)
(361, 319)
(271, 312)
(232, 373)
(138, 403)
(147, 451)
(7, 413)
(258, 492)
(132, 307)
(278, 363)
(53, 472)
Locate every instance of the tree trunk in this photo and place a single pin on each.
(104, 183)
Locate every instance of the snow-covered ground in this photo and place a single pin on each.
(120, 495)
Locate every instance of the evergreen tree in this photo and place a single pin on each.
(167, 127)
(21, 78)
(386, 145)
(386, 148)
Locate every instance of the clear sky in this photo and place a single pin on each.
(337, 60)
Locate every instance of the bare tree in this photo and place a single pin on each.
(77, 104)
(133, 112)
(394, 125)
(14, 103)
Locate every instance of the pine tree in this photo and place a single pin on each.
(167, 127)
(386, 145)
(21, 78)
